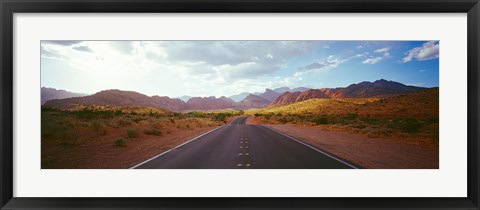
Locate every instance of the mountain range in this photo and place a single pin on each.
(52, 93)
(276, 97)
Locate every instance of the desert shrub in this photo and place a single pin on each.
(49, 109)
(99, 127)
(335, 119)
(221, 116)
(379, 132)
(197, 114)
(370, 120)
(434, 137)
(119, 142)
(124, 122)
(286, 119)
(432, 120)
(359, 126)
(268, 116)
(410, 125)
(83, 124)
(50, 128)
(152, 131)
(351, 116)
(58, 130)
(92, 114)
(320, 120)
(138, 119)
(283, 120)
(257, 114)
(68, 137)
(132, 133)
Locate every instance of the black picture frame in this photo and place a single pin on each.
(9, 7)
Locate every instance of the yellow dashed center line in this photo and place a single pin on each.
(243, 140)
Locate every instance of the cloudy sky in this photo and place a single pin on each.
(216, 68)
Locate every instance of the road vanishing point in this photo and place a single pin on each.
(241, 146)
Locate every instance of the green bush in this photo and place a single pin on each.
(410, 126)
(120, 142)
(123, 122)
(268, 116)
(221, 116)
(320, 120)
(371, 120)
(132, 133)
(285, 120)
(351, 116)
(138, 119)
(99, 127)
(93, 114)
(68, 137)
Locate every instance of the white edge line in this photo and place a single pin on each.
(133, 167)
(311, 147)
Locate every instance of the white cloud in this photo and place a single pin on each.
(429, 50)
(328, 63)
(233, 60)
(83, 49)
(382, 50)
(219, 62)
(372, 60)
(361, 55)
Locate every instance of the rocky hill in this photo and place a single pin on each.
(52, 93)
(253, 101)
(378, 89)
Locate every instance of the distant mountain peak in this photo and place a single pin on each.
(239, 97)
(269, 95)
(269, 90)
(52, 93)
(184, 98)
(253, 101)
(281, 89)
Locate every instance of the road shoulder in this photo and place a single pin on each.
(372, 153)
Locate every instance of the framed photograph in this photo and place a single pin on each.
(239, 105)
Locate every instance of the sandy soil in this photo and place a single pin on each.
(372, 153)
(101, 152)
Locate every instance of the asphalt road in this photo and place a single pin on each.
(240, 146)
